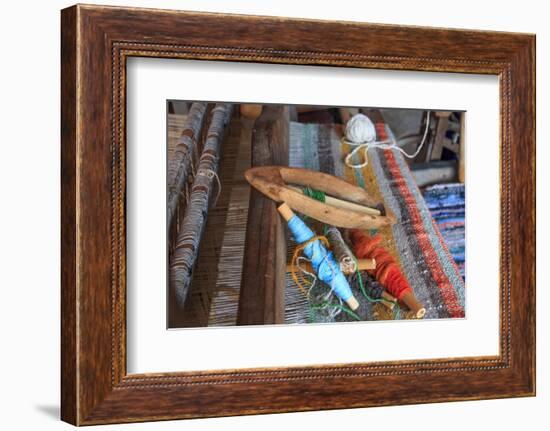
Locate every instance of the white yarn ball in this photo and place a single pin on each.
(360, 129)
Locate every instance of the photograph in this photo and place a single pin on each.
(293, 214)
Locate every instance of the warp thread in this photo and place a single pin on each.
(387, 270)
(186, 250)
(361, 134)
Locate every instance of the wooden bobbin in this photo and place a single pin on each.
(413, 304)
(285, 211)
(389, 300)
(362, 265)
(352, 303)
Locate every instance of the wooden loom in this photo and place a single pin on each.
(260, 289)
(262, 293)
(261, 284)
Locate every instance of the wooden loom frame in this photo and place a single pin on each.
(96, 41)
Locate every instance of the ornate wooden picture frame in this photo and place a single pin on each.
(96, 41)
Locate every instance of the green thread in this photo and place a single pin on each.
(320, 196)
(366, 295)
(314, 194)
(326, 304)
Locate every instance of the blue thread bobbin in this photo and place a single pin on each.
(322, 260)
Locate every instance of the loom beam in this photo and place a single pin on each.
(262, 294)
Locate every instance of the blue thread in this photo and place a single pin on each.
(322, 260)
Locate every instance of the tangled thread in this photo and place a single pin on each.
(295, 264)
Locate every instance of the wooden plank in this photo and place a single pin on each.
(261, 299)
(439, 139)
(69, 294)
(437, 171)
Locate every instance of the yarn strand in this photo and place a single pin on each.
(386, 144)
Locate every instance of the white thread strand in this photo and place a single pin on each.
(386, 144)
(209, 173)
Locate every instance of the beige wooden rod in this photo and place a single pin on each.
(362, 265)
(340, 203)
(414, 305)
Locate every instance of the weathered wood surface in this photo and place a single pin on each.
(442, 123)
(263, 282)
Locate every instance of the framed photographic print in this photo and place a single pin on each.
(268, 215)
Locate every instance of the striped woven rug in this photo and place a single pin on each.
(447, 205)
(415, 240)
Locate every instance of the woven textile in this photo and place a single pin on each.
(415, 240)
(447, 205)
(214, 294)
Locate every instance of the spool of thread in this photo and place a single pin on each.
(341, 251)
(387, 270)
(322, 260)
(360, 129)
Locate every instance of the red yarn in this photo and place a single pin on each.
(387, 270)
